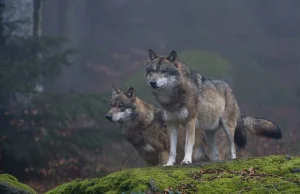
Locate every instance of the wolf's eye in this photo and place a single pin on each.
(163, 71)
(121, 106)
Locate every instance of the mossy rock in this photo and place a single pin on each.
(270, 174)
(10, 185)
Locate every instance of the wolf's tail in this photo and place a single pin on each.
(256, 126)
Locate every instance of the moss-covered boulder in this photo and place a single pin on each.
(270, 174)
(10, 185)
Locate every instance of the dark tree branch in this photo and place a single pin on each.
(126, 159)
(98, 157)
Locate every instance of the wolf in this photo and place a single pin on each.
(195, 101)
(143, 126)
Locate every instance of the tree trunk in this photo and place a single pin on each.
(298, 83)
(2, 7)
(37, 18)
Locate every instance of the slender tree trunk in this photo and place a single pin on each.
(37, 32)
(37, 18)
(298, 83)
(2, 7)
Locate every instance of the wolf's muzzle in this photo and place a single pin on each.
(109, 117)
(153, 84)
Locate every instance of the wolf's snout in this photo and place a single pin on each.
(109, 117)
(153, 84)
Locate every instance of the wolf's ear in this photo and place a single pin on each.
(152, 55)
(114, 91)
(172, 56)
(130, 93)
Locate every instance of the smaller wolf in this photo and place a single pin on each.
(143, 126)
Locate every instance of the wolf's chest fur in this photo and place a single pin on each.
(178, 115)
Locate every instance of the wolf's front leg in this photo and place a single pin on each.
(173, 134)
(189, 141)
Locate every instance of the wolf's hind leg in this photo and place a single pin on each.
(230, 140)
(210, 138)
(163, 157)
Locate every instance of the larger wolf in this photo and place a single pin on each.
(192, 100)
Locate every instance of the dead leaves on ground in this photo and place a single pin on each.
(222, 173)
(182, 189)
(245, 174)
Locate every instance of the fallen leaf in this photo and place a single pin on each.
(252, 171)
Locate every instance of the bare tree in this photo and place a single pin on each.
(2, 7)
(298, 82)
(37, 18)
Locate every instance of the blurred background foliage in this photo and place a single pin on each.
(59, 60)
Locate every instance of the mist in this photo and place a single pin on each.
(67, 55)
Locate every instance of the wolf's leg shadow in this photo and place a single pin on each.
(230, 138)
(199, 154)
(210, 139)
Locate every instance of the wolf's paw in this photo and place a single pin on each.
(186, 161)
(233, 156)
(170, 163)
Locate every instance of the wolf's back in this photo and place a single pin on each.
(256, 126)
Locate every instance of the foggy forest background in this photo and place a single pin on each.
(59, 59)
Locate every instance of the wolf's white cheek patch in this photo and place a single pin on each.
(128, 110)
(162, 81)
(118, 116)
(149, 148)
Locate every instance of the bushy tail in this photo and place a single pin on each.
(256, 126)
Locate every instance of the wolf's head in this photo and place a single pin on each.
(161, 71)
(122, 105)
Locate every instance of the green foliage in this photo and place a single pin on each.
(25, 60)
(266, 174)
(206, 63)
(45, 134)
(10, 184)
(56, 133)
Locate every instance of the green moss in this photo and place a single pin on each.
(272, 174)
(9, 182)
